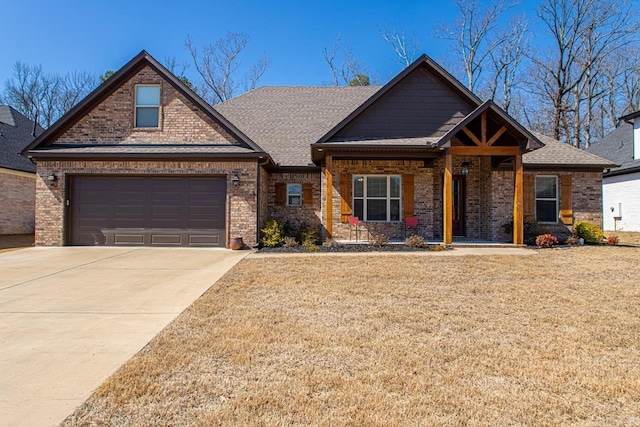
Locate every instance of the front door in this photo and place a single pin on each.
(459, 205)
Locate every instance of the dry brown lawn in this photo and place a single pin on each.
(626, 237)
(549, 339)
(10, 242)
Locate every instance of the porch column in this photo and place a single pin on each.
(518, 202)
(328, 165)
(447, 199)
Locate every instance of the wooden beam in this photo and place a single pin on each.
(464, 150)
(328, 165)
(483, 128)
(472, 136)
(497, 135)
(518, 202)
(447, 200)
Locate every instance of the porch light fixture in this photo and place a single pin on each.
(235, 180)
(465, 168)
(52, 179)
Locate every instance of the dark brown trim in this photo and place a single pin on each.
(613, 172)
(438, 71)
(53, 155)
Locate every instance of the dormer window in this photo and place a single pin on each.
(147, 106)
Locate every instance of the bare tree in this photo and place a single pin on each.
(475, 35)
(346, 69)
(46, 96)
(406, 49)
(584, 33)
(218, 65)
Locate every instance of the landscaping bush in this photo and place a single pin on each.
(546, 241)
(589, 231)
(310, 236)
(416, 241)
(290, 242)
(378, 240)
(532, 229)
(572, 240)
(612, 240)
(272, 233)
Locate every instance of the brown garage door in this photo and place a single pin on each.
(147, 211)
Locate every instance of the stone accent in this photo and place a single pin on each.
(423, 194)
(17, 203)
(242, 208)
(296, 216)
(112, 120)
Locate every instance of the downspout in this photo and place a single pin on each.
(258, 197)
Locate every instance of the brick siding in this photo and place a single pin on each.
(241, 200)
(17, 203)
(296, 216)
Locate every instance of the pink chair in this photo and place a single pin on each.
(354, 224)
(410, 224)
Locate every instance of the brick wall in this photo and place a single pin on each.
(296, 215)
(17, 202)
(241, 201)
(112, 120)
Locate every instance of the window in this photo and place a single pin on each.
(547, 198)
(147, 106)
(376, 197)
(294, 194)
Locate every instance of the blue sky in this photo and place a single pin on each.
(97, 36)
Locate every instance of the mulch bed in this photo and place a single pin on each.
(356, 248)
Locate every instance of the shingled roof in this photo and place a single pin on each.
(15, 134)
(285, 120)
(558, 153)
(618, 147)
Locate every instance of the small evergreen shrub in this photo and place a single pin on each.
(546, 241)
(613, 240)
(416, 241)
(589, 231)
(272, 233)
(310, 236)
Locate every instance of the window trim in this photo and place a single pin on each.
(536, 198)
(299, 195)
(388, 198)
(135, 106)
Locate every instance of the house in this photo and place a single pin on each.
(17, 173)
(144, 161)
(621, 185)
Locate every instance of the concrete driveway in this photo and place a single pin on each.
(69, 317)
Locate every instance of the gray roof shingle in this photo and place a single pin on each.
(285, 120)
(618, 147)
(15, 134)
(558, 153)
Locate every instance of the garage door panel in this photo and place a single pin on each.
(147, 211)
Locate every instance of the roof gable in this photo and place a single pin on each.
(139, 64)
(422, 101)
(16, 132)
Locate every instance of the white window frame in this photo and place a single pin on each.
(136, 106)
(536, 198)
(388, 198)
(290, 194)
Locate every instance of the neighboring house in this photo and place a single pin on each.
(621, 185)
(17, 173)
(144, 161)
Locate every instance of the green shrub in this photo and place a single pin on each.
(589, 231)
(310, 236)
(272, 233)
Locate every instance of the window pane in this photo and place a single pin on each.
(546, 211)
(376, 210)
(395, 210)
(295, 201)
(358, 186)
(147, 117)
(294, 188)
(546, 187)
(147, 95)
(358, 208)
(395, 186)
(376, 186)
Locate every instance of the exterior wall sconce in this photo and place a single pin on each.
(235, 180)
(465, 168)
(52, 179)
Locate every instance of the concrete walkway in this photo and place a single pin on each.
(70, 317)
